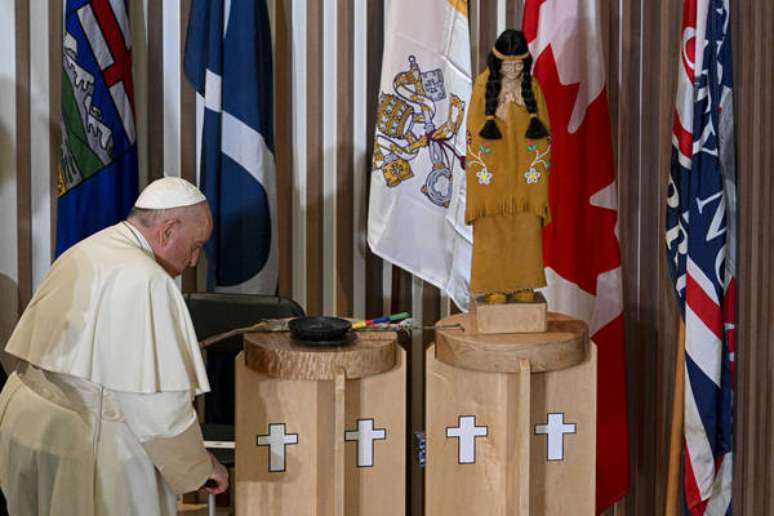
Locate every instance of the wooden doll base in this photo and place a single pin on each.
(563, 344)
(513, 317)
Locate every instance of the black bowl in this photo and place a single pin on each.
(319, 329)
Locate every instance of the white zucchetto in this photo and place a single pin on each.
(169, 192)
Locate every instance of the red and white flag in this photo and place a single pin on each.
(580, 245)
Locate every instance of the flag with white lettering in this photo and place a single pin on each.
(701, 250)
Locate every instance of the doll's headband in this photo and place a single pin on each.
(503, 57)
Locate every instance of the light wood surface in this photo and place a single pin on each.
(556, 487)
(523, 421)
(512, 317)
(450, 487)
(279, 356)
(559, 488)
(339, 395)
(518, 459)
(564, 344)
(308, 486)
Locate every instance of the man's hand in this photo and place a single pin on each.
(219, 477)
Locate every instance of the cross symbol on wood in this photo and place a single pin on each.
(276, 440)
(365, 437)
(466, 432)
(555, 429)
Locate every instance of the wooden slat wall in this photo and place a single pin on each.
(753, 26)
(345, 223)
(283, 108)
(23, 169)
(375, 43)
(315, 156)
(327, 69)
(155, 91)
(642, 44)
(187, 127)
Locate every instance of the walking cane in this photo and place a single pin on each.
(210, 498)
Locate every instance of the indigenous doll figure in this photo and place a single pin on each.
(508, 157)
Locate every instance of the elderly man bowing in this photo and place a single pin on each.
(97, 419)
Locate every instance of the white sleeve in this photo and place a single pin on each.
(160, 414)
(166, 426)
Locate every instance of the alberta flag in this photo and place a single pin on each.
(97, 181)
(228, 61)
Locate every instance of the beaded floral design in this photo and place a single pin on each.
(484, 177)
(475, 158)
(533, 175)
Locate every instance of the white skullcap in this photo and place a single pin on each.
(169, 192)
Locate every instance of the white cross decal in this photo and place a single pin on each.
(555, 429)
(466, 432)
(365, 437)
(276, 440)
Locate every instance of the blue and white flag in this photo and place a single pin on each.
(228, 59)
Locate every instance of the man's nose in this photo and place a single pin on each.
(194, 258)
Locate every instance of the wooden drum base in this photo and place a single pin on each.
(564, 344)
(320, 431)
(511, 421)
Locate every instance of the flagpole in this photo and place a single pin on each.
(672, 507)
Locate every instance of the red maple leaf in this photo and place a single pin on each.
(580, 242)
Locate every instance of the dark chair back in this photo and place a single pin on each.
(213, 313)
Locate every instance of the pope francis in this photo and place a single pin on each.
(97, 418)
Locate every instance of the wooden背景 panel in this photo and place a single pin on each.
(752, 26)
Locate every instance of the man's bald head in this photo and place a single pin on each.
(176, 235)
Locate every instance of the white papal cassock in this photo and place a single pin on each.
(97, 419)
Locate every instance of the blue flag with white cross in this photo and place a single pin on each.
(228, 60)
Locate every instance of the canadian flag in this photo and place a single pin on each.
(581, 249)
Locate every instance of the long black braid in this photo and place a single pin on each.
(510, 43)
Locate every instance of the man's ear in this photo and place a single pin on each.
(167, 230)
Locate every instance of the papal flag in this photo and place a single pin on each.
(97, 180)
(417, 179)
(228, 61)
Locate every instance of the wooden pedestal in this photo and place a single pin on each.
(515, 317)
(511, 421)
(341, 414)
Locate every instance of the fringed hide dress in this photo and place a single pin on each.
(507, 196)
